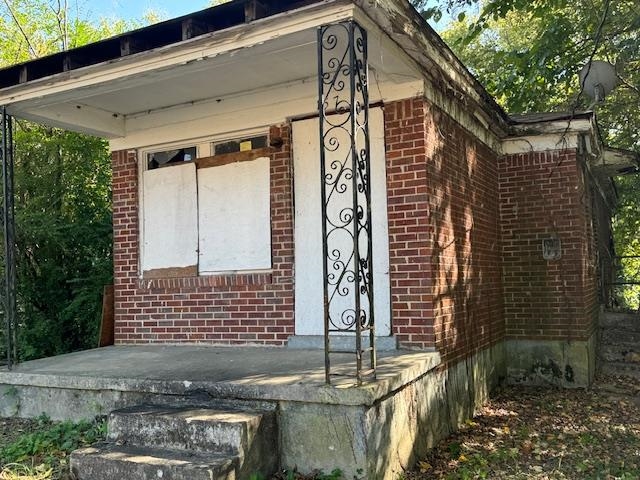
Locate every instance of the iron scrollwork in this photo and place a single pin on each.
(346, 193)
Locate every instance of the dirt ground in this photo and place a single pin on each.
(13, 428)
(534, 433)
(524, 433)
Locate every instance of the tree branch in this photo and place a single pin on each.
(34, 54)
(629, 85)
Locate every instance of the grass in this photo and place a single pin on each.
(18, 471)
(41, 452)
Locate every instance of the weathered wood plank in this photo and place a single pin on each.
(173, 272)
(227, 158)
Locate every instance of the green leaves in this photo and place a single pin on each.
(49, 444)
(34, 28)
(528, 54)
(63, 217)
(63, 195)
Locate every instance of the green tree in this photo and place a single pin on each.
(63, 228)
(528, 54)
(63, 200)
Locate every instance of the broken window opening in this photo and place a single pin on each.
(171, 157)
(240, 145)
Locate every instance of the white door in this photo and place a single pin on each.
(309, 310)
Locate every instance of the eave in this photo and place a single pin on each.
(138, 78)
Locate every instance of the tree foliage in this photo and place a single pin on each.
(63, 228)
(63, 200)
(528, 54)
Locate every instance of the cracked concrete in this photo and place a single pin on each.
(373, 431)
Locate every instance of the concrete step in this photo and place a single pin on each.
(251, 436)
(619, 336)
(191, 428)
(627, 321)
(623, 369)
(115, 462)
(622, 352)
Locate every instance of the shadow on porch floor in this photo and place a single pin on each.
(250, 373)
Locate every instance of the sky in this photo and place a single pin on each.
(135, 9)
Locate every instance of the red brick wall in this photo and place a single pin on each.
(545, 194)
(246, 308)
(444, 255)
(464, 214)
(444, 232)
(407, 204)
(587, 198)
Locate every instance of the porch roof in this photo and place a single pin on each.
(225, 51)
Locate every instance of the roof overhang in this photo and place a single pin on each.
(559, 131)
(540, 132)
(279, 49)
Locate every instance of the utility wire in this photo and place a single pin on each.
(596, 45)
(34, 54)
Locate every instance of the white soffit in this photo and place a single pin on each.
(270, 52)
(555, 135)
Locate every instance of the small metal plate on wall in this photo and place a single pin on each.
(551, 248)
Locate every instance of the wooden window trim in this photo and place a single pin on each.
(223, 280)
(171, 272)
(234, 157)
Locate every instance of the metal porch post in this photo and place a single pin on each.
(9, 237)
(343, 104)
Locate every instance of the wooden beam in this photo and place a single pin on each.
(130, 45)
(107, 322)
(193, 28)
(173, 272)
(227, 158)
(254, 9)
(24, 74)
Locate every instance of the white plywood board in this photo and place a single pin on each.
(170, 218)
(234, 217)
(308, 235)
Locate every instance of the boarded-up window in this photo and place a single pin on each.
(170, 216)
(234, 217)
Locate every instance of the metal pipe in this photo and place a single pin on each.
(323, 217)
(9, 237)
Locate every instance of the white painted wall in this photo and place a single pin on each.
(231, 116)
(308, 235)
(170, 219)
(234, 217)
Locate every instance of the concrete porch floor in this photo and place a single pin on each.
(378, 428)
(246, 373)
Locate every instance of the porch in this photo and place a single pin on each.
(376, 427)
(253, 374)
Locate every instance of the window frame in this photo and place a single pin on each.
(205, 144)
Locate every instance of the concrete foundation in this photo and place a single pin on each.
(565, 363)
(373, 431)
(380, 440)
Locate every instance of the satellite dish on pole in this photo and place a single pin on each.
(597, 79)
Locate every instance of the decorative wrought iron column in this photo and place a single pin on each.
(346, 197)
(6, 153)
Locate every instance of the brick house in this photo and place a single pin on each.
(489, 231)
